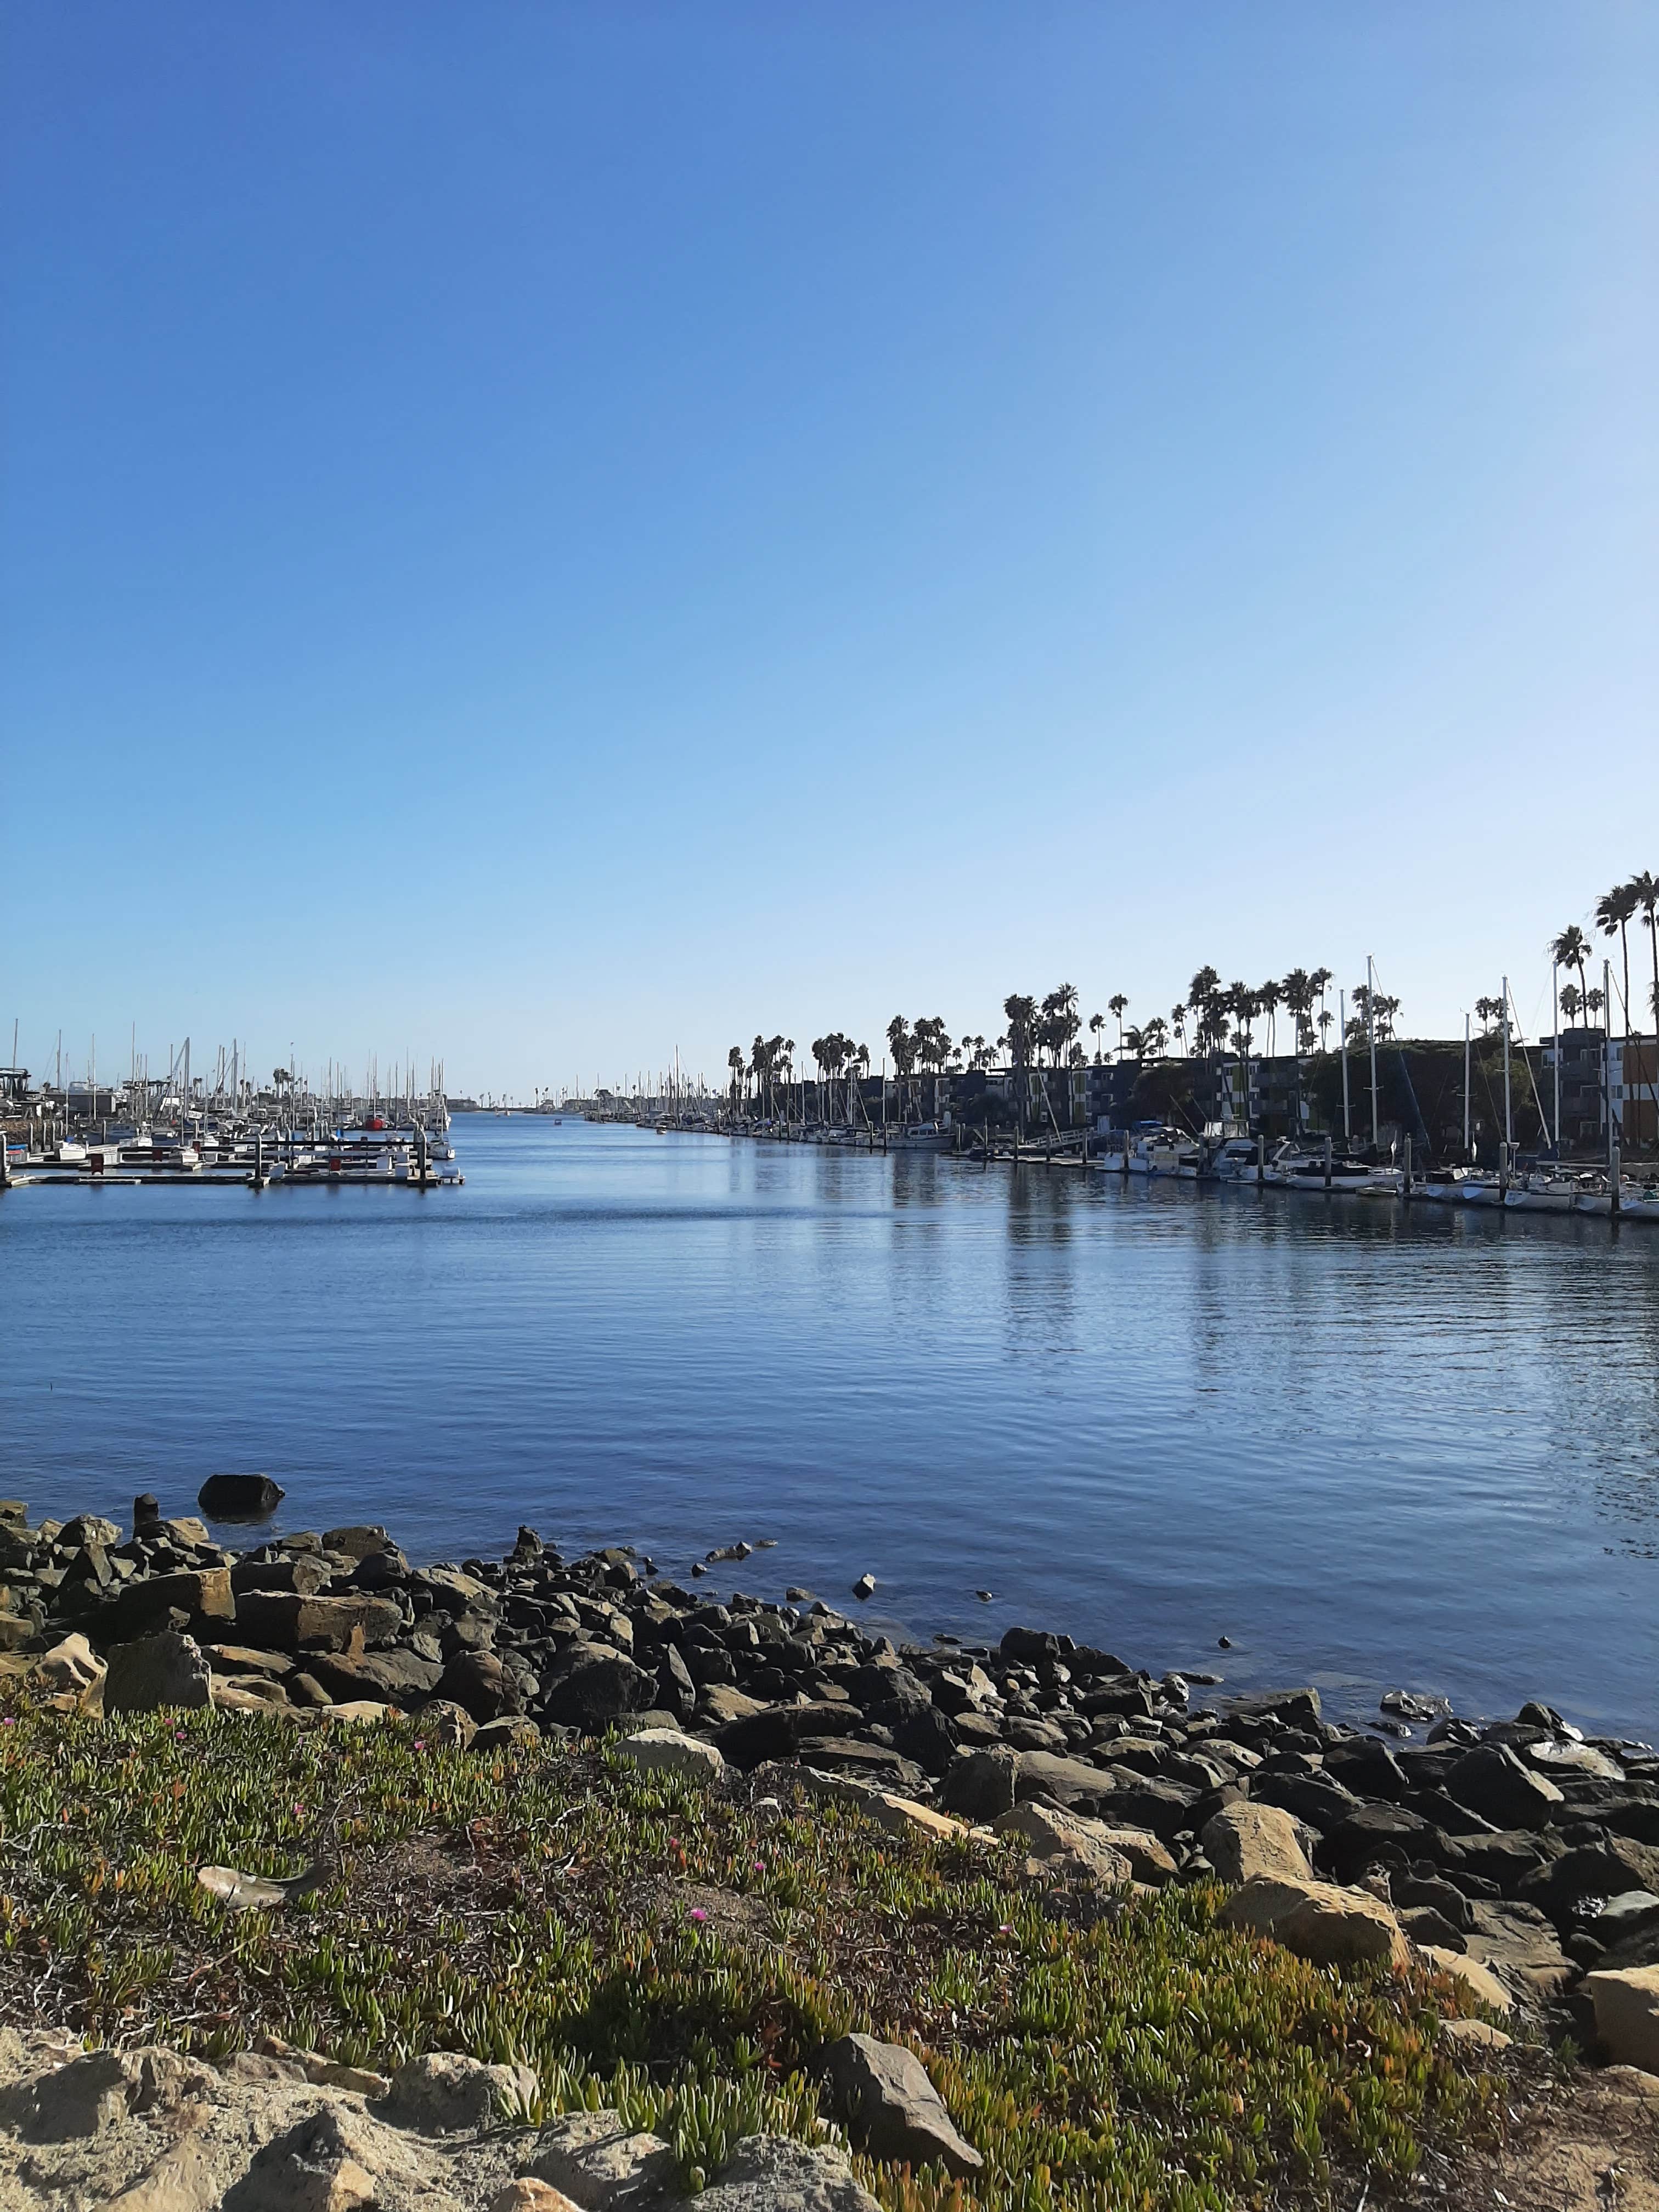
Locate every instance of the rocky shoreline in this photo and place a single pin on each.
(1516, 1846)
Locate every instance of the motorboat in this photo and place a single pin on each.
(1164, 1151)
(918, 1137)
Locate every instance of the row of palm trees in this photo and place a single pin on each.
(1213, 1017)
(1615, 910)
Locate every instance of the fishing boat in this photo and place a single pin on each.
(919, 1137)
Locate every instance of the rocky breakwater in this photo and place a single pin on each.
(1512, 1853)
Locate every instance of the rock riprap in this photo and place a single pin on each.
(1515, 1843)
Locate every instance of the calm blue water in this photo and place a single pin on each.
(1370, 1449)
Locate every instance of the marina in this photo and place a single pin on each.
(196, 1131)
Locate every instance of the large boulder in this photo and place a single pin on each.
(593, 1687)
(157, 1672)
(356, 1543)
(1627, 2002)
(1151, 1801)
(1072, 1783)
(774, 2173)
(1065, 1843)
(477, 1682)
(666, 1750)
(882, 2093)
(442, 2091)
(397, 1677)
(1609, 1869)
(979, 1784)
(777, 1731)
(1332, 1927)
(1322, 1803)
(597, 2160)
(1491, 1781)
(283, 1620)
(312, 2166)
(1475, 1980)
(68, 1678)
(240, 1497)
(1523, 1950)
(203, 1594)
(1245, 1840)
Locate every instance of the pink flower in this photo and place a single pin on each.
(697, 1913)
(420, 1743)
(760, 1866)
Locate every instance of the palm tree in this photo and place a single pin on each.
(1488, 1011)
(734, 1061)
(1570, 1003)
(1178, 1025)
(1318, 983)
(1269, 999)
(1117, 1004)
(1646, 889)
(1096, 1022)
(1614, 912)
(1155, 1035)
(1571, 950)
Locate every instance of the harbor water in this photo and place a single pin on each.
(1372, 1447)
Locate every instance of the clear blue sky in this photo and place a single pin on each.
(543, 533)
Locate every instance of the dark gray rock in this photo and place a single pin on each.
(1367, 1767)
(591, 1687)
(157, 1672)
(1295, 1709)
(1560, 1886)
(1425, 1925)
(1378, 1835)
(979, 1784)
(874, 1763)
(1025, 1646)
(1070, 1782)
(926, 1737)
(891, 2109)
(1491, 1781)
(1150, 1801)
(392, 1678)
(776, 1731)
(478, 1684)
(676, 1690)
(1440, 1896)
(240, 1497)
(1315, 1798)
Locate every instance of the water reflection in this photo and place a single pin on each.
(1368, 1444)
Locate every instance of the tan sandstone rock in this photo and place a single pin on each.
(1330, 1926)
(1055, 1840)
(1628, 2015)
(1246, 1841)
